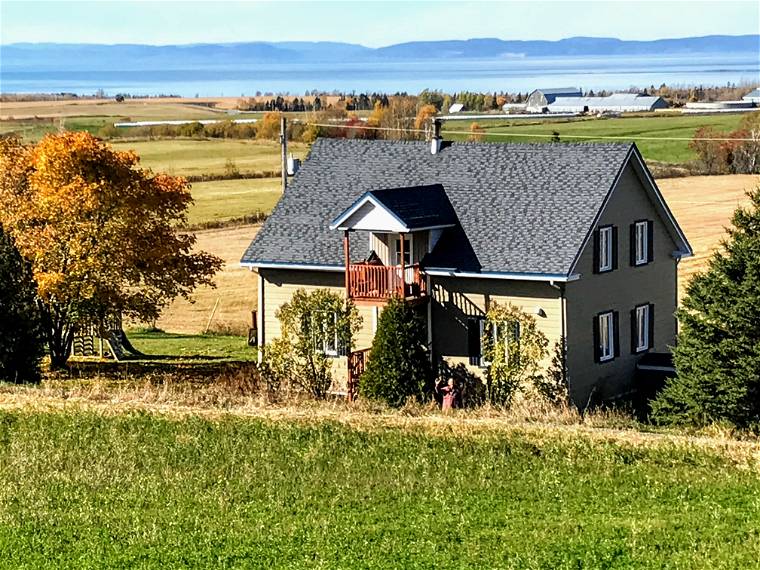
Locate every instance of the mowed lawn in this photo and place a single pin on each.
(188, 157)
(82, 489)
(228, 199)
(625, 129)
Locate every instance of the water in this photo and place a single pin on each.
(509, 74)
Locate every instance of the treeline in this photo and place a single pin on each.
(737, 152)
(353, 102)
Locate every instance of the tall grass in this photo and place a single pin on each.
(91, 490)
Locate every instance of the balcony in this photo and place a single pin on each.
(367, 282)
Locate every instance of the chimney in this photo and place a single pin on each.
(435, 142)
(293, 165)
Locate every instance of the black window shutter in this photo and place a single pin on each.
(595, 328)
(596, 251)
(473, 340)
(633, 244)
(614, 247)
(650, 241)
(634, 331)
(616, 331)
(651, 325)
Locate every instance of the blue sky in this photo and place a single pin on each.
(369, 23)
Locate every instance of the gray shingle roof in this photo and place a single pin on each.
(521, 208)
(418, 206)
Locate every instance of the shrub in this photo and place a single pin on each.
(514, 348)
(717, 357)
(399, 362)
(315, 327)
(21, 338)
(553, 385)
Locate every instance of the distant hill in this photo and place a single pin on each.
(67, 57)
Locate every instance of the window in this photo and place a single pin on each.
(494, 333)
(407, 251)
(642, 328)
(325, 333)
(606, 249)
(606, 336)
(641, 242)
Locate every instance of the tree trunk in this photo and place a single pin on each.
(60, 336)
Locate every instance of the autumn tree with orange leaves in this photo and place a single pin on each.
(103, 235)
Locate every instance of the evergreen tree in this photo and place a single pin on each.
(21, 339)
(399, 363)
(718, 352)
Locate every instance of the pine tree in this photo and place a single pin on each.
(399, 364)
(20, 327)
(718, 353)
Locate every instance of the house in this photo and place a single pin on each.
(539, 99)
(576, 234)
(615, 103)
(753, 96)
(456, 108)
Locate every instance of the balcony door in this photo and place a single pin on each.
(407, 251)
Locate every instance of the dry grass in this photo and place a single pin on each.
(236, 393)
(703, 206)
(236, 288)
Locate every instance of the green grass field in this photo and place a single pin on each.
(173, 347)
(82, 489)
(627, 128)
(228, 199)
(188, 157)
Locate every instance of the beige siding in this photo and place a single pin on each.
(620, 290)
(384, 246)
(457, 299)
(279, 286)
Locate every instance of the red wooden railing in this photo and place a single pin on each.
(357, 364)
(380, 282)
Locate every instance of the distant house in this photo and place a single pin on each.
(753, 96)
(539, 99)
(615, 103)
(577, 235)
(456, 108)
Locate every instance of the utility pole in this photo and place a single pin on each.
(284, 150)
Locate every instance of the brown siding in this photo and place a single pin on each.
(456, 299)
(619, 290)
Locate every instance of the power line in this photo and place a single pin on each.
(535, 135)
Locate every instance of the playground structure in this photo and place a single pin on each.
(105, 339)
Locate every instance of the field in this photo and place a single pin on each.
(187, 157)
(223, 200)
(623, 128)
(101, 488)
(235, 292)
(703, 206)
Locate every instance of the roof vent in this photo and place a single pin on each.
(293, 165)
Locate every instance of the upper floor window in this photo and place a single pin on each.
(606, 249)
(407, 251)
(641, 242)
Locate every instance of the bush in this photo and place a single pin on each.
(315, 327)
(717, 357)
(399, 362)
(21, 340)
(514, 348)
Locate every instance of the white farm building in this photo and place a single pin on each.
(615, 103)
(753, 96)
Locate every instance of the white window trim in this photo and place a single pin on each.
(606, 350)
(396, 241)
(605, 249)
(495, 337)
(323, 341)
(642, 326)
(641, 256)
